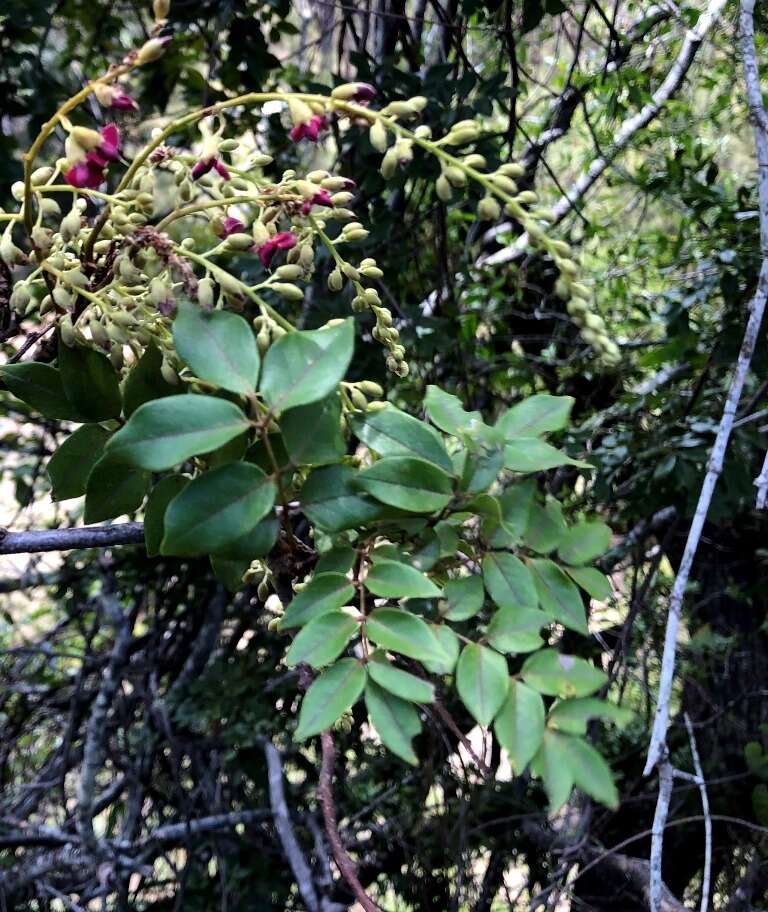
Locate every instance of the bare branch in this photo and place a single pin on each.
(757, 307)
(666, 780)
(701, 782)
(284, 828)
(325, 796)
(649, 112)
(130, 533)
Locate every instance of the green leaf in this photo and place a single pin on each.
(146, 381)
(298, 370)
(448, 413)
(322, 640)
(398, 682)
(508, 581)
(338, 560)
(584, 542)
(546, 527)
(590, 771)
(519, 725)
(549, 763)
(331, 695)
(485, 459)
(162, 433)
(403, 632)
(229, 572)
(391, 579)
(113, 489)
(330, 500)
(558, 596)
(410, 484)
(324, 592)
(536, 415)
(72, 462)
(216, 509)
(218, 346)
(90, 382)
(157, 503)
(449, 643)
(516, 630)
(529, 454)
(312, 433)
(464, 597)
(40, 386)
(257, 542)
(571, 716)
(395, 721)
(482, 680)
(391, 432)
(515, 508)
(557, 675)
(592, 581)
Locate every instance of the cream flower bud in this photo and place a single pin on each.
(288, 291)
(489, 209)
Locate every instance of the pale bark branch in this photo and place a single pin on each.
(702, 784)
(629, 128)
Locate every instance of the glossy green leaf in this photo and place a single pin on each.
(312, 433)
(519, 725)
(113, 489)
(324, 592)
(448, 413)
(403, 632)
(338, 560)
(565, 761)
(398, 682)
(216, 509)
(483, 463)
(298, 370)
(572, 716)
(584, 542)
(529, 454)
(391, 432)
(90, 382)
(255, 543)
(558, 596)
(331, 695)
(322, 640)
(165, 432)
(516, 630)
(218, 346)
(229, 572)
(508, 581)
(546, 527)
(157, 503)
(391, 579)
(41, 387)
(146, 382)
(592, 582)
(558, 675)
(71, 464)
(482, 680)
(450, 645)
(464, 597)
(515, 509)
(409, 484)
(395, 720)
(331, 500)
(536, 415)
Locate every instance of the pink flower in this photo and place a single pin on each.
(282, 241)
(321, 198)
(89, 168)
(230, 225)
(309, 129)
(204, 165)
(113, 96)
(123, 101)
(365, 93)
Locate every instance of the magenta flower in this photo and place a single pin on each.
(365, 92)
(89, 169)
(309, 129)
(321, 198)
(204, 165)
(113, 96)
(282, 241)
(229, 225)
